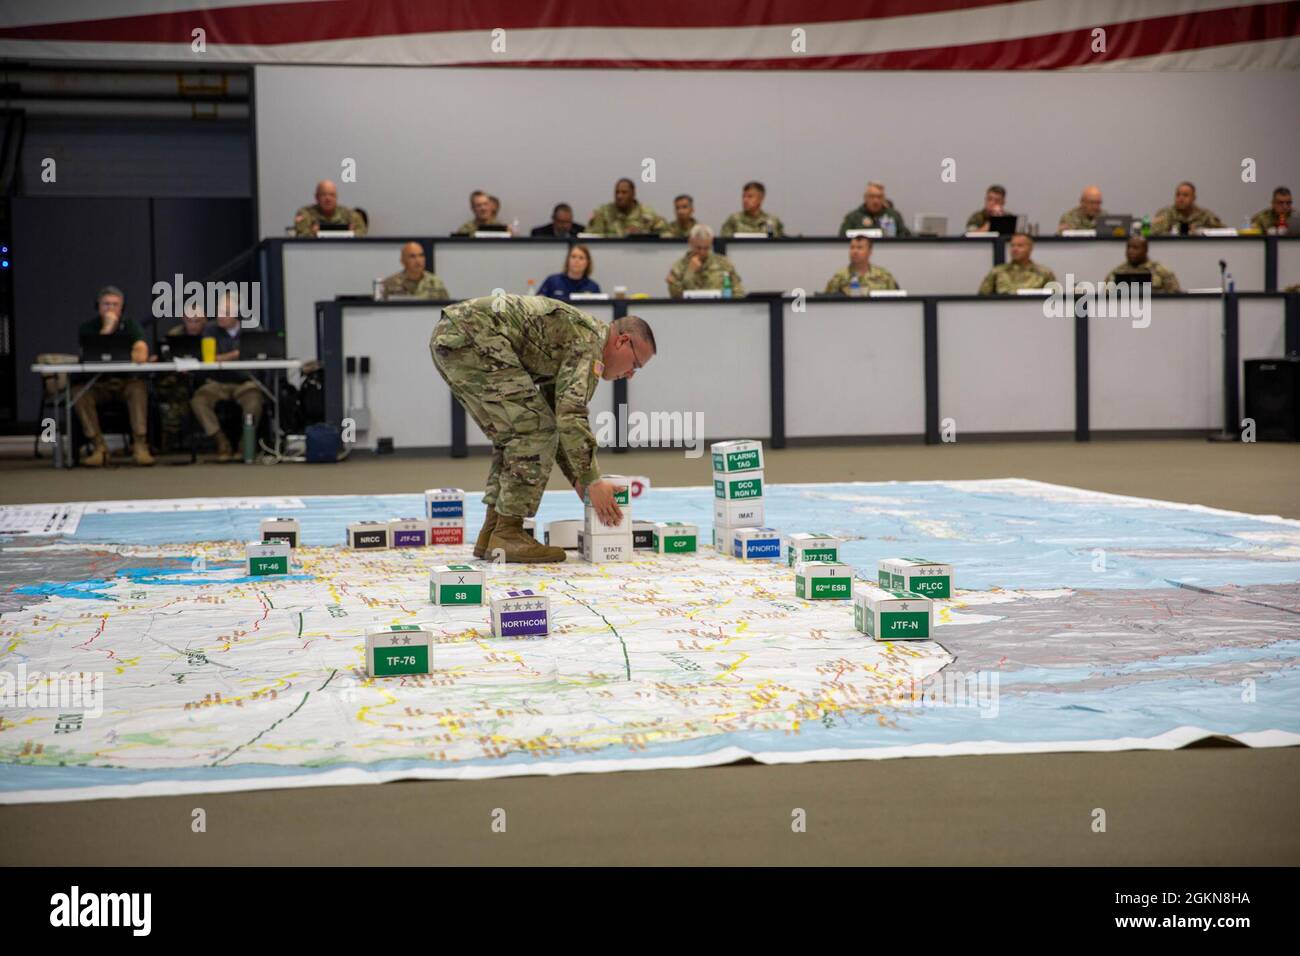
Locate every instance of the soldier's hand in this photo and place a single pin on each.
(602, 499)
(140, 352)
(696, 262)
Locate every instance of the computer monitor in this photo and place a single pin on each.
(182, 346)
(261, 345)
(106, 348)
(1002, 225)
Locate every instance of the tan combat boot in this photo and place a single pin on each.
(99, 457)
(518, 545)
(224, 450)
(485, 533)
(140, 451)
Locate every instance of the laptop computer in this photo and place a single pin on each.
(1002, 225)
(1117, 226)
(106, 348)
(931, 225)
(1132, 279)
(181, 346)
(259, 346)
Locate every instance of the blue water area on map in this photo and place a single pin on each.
(994, 538)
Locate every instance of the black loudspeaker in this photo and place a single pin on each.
(1273, 398)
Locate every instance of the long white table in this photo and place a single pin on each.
(95, 369)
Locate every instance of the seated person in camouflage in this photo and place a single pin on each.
(238, 387)
(484, 214)
(130, 389)
(1162, 279)
(751, 217)
(684, 221)
(1277, 217)
(995, 204)
(307, 221)
(625, 216)
(869, 276)
(874, 212)
(1084, 215)
(413, 280)
(174, 389)
(525, 368)
(1184, 217)
(1020, 273)
(701, 267)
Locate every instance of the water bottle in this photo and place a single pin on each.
(377, 288)
(1146, 226)
(855, 286)
(249, 439)
(726, 285)
(532, 286)
(891, 227)
(1229, 285)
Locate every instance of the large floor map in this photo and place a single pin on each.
(1081, 621)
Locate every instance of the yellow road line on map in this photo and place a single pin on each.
(731, 669)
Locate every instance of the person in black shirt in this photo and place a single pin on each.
(128, 388)
(561, 223)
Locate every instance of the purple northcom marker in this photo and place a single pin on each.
(521, 614)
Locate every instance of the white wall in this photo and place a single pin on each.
(423, 138)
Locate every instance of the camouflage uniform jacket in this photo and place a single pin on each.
(473, 225)
(561, 349)
(309, 216)
(640, 220)
(1196, 219)
(707, 276)
(1162, 278)
(1010, 276)
(1076, 218)
(428, 286)
(1265, 219)
(741, 222)
(677, 231)
(874, 278)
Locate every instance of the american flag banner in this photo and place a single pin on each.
(670, 34)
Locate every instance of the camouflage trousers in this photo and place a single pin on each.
(507, 405)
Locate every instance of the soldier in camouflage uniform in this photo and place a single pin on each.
(413, 280)
(869, 276)
(1277, 214)
(1184, 211)
(1162, 278)
(484, 214)
(1086, 214)
(995, 204)
(1020, 273)
(625, 216)
(307, 221)
(751, 217)
(681, 226)
(701, 267)
(874, 212)
(525, 368)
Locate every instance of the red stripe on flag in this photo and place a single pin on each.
(276, 23)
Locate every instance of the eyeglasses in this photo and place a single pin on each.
(636, 361)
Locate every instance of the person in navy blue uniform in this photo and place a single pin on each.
(576, 276)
